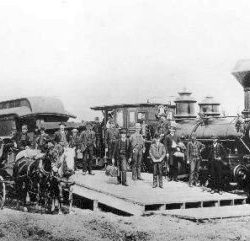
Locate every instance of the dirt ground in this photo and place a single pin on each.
(89, 225)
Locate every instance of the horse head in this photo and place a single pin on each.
(69, 161)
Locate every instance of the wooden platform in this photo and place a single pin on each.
(140, 198)
(201, 214)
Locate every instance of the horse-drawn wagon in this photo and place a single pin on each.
(31, 175)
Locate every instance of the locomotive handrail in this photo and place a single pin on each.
(245, 145)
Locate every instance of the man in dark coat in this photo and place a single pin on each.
(170, 143)
(61, 136)
(216, 157)
(122, 153)
(111, 139)
(194, 150)
(22, 139)
(137, 144)
(88, 144)
(97, 128)
(157, 153)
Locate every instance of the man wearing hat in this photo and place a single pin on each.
(111, 139)
(42, 140)
(74, 138)
(170, 142)
(137, 145)
(157, 153)
(23, 140)
(216, 157)
(88, 143)
(122, 157)
(97, 128)
(194, 150)
(61, 136)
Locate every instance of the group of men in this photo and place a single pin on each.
(166, 149)
(176, 152)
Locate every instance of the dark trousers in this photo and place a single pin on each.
(157, 173)
(216, 172)
(111, 151)
(194, 171)
(136, 164)
(87, 159)
(173, 168)
(122, 169)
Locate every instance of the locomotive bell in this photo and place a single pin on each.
(241, 72)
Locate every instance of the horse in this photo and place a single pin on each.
(29, 173)
(62, 170)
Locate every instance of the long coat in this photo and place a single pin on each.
(170, 143)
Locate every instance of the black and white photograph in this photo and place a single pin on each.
(124, 120)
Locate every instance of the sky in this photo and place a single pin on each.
(99, 52)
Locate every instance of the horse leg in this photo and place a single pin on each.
(60, 199)
(70, 199)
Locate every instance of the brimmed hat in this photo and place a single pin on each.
(62, 124)
(123, 131)
(88, 124)
(74, 130)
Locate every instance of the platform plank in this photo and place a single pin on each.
(111, 201)
(210, 213)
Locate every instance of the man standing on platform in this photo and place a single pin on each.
(170, 143)
(194, 150)
(88, 143)
(216, 156)
(111, 139)
(97, 128)
(137, 145)
(122, 157)
(157, 153)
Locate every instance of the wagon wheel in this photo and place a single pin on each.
(2, 192)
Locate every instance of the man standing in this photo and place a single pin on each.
(74, 139)
(23, 141)
(137, 144)
(42, 140)
(122, 157)
(170, 143)
(97, 128)
(216, 156)
(194, 150)
(61, 136)
(111, 139)
(157, 153)
(88, 140)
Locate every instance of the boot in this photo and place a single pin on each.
(139, 173)
(119, 179)
(124, 179)
(160, 182)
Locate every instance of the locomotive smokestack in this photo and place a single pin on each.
(242, 73)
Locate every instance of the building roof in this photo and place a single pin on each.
(111, 107)
(36, 106)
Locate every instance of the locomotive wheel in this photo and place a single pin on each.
(2, 192)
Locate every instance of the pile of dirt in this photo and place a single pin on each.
(89, 225)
